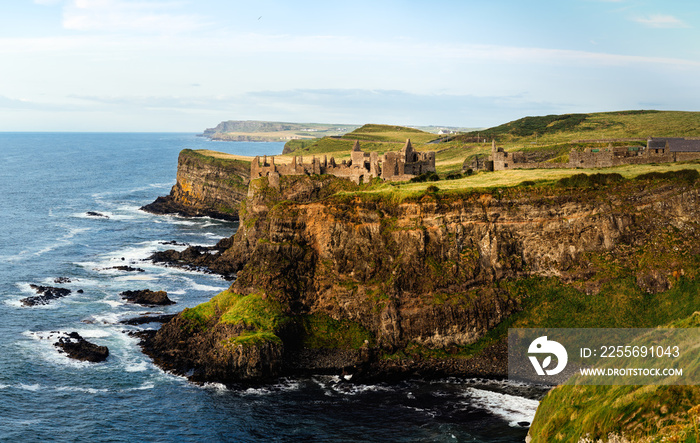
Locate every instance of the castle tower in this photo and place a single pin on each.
(357, 156)
(407, 152)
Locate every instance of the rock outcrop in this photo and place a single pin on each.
(76, 347)
(206, 186)
(46, 295)
(146, 297)
(393, 283)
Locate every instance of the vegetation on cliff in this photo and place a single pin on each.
(431, 280)
(650, 413)
(603, 125)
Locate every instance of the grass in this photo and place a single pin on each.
(322, 331)
(260, 317)
(566, 128)
(512, 178)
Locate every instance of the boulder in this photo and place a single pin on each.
(78, 348)
(146, 297)
(46, 294)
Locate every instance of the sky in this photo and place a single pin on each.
(180, 65)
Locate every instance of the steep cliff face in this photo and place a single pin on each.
(420, 283)
(206, 186)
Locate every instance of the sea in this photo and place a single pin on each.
(49, 183)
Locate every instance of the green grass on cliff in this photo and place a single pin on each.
(490, 182)
(649, 413)
(379, 138)
(261, 316)
(322, 331)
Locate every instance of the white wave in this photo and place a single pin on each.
(137, 367)
(4, 386)
(46, 351)
(200, 287)
(80, 389)
(191, 284)
(136, 278)
(257, 391)
(105, 319)
(114, 303)
(177, 292)
(144, 387)
(219, 388)
(334, 384)
(15, 303)
(511, 408)
(93, 333)
(33, 387)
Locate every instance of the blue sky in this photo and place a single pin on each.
(179, 65)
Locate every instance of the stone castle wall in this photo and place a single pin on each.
(362, 167)
(657, 151)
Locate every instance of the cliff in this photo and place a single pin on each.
(205, 186)
(330, 278)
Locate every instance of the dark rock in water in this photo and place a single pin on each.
(147, 297)
(124, 268)
(78, 348)
(169, 205)
(524, 424)
(61, 280)
(79, 291)
(46, 294)
(173, 243)
(96, 214)
(195, 258)
(148, 319)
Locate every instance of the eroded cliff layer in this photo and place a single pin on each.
(206, 186)
(378, 283)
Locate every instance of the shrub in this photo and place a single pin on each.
(689, 175)
(585, 181)
(426, 177)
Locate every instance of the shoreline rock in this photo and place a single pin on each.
(46, 295)
(145, 319)
(76, 347)
(146, 297)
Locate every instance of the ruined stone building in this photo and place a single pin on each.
(362, 167)
(658, 150)
(407, 163)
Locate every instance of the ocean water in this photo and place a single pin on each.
(48, 183)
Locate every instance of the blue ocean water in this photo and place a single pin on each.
(48, 183)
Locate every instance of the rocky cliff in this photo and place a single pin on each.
(378, 283)
(205, 186)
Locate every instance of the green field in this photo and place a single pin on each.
(547, 138)
(567, 128)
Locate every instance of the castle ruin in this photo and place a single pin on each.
(658, 150)
(362, 167)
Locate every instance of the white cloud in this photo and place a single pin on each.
(661, 21)
(122, 15)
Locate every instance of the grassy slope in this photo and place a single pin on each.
(569, 127)
(553, 135)
(383, 138)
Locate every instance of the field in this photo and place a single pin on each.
(568, 128)
(550, 137)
